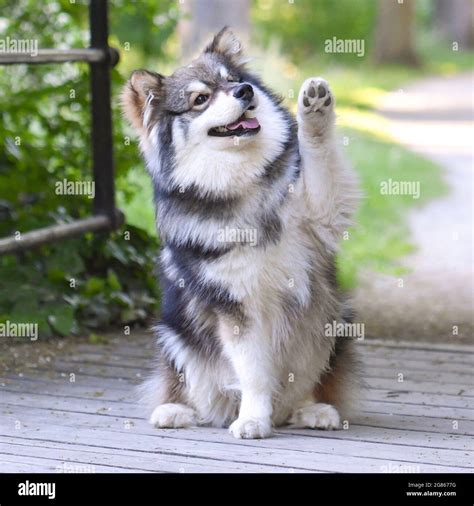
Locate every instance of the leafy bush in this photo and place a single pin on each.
(96, 280)
(303, 26)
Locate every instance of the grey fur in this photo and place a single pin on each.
(207, 317)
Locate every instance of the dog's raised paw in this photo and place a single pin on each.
(316, 416)
(315, 97)
(251, 428)
(173, 416)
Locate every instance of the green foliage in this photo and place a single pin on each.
(381, 235)
(45, 136)
(303, 26)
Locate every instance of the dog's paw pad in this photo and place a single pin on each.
(173, 416)
(251, 428)
(315, 96)
(316, 416)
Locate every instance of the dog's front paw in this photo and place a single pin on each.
(251, 428)
(173, 416)
(315, 96)
(316, 416)
(316, 104)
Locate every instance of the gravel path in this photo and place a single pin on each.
(434, 118)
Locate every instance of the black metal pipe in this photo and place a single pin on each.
(101, 58)
(54, 56)
(102, 143)
(89, 55)
(46, 235)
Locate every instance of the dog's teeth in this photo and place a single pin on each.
(249, 114)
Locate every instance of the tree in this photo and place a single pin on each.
(203, 18)
(394, 33)
(455, 20)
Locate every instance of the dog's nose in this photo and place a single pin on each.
(244, 92)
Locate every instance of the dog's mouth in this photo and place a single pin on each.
(245, 125)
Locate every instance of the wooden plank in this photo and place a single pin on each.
(101, 405)
(419, 354)
(407, 385)
(60, 379)
(408, 423)
(138, 461)
(418, 398)
(12, 463)
(368, 362)
(397, 408)
(423, 423)
(415, 365)
(143, 347)
(77, 391)
(411, 381)
(112, 389)
(31, 418)
(455, 346)
(445, 377)
(374, 366)
(96, 371)
(291, 452)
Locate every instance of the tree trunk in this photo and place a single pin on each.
(393, 32)
(204, 18)
(455, 20)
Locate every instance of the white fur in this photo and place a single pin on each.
(330, 186)
(200, 158)
(173, 416)
(316, 416)
(273, 373)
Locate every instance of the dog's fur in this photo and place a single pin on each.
(242, 337)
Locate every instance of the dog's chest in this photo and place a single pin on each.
(260, 277)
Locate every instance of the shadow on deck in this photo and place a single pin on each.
(71, 408)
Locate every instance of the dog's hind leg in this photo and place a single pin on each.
(162, 393)
(315, 416)
(173, 415)
(329, 186)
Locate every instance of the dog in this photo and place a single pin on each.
(250, 207)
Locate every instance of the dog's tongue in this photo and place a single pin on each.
(244, 123)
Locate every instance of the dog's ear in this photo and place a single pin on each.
(228, 45)
(141, 90)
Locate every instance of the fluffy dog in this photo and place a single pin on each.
(250, 206)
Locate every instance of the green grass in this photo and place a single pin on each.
(381, 237)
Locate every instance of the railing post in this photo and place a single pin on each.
(102, 142)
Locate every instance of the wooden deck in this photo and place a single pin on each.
(74, 411)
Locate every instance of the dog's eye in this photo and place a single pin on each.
(200, 99)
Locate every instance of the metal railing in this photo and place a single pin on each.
(101, 59)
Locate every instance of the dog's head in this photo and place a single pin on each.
(213, 120)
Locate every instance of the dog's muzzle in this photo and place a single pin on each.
(247, 124)
(244, 92)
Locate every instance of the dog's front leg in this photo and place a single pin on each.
(251, 360)
(329, 186)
